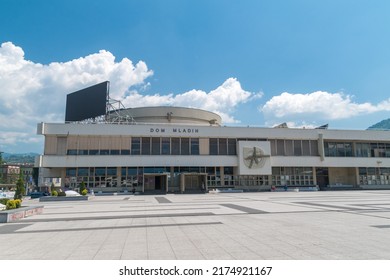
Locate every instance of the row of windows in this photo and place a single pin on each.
(350, 149)
(283, 147)
(227, 146)
(165, 146)
(222, 146)
(149, 146)
(374, 176)
(132, 171)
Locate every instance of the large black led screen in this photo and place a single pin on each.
(87, 103)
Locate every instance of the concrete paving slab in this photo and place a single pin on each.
(311, 225)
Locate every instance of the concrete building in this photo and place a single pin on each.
(171, 149)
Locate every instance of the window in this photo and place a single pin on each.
(175, 146)
(297, 147)
(83, 152)
(306, 147)
(273, 147)
(111, 171)
(289, 147)
(125, 152)
(155, 146)
(135, 146)
(185, 146)
(232, 144)
(194, 146)
(222, 146)
(71, 172)
(362, 149)
(228, 170)
(314, 147)
(330, 149)
(348, 149)
(280, 147)
(132, 171)
(83, 172)
(145, 146)
(93, 152)
(114, 152)
(213, 145)
(72, 152)
(100, 171)
(165, 146)
(340, 150)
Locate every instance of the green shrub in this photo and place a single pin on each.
(84, 192)
(18, 203)
(4, 201)
(54, 193)
(61, 194)
(10, 204)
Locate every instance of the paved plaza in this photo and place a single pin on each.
(279, 225)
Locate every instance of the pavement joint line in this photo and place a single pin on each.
(244, 209)
(161, 199)
(382, 226)
(122, 217)
(126, 211)
(331, 206)
(11, 228)
(111, 227)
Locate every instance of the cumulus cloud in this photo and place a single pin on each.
(223, 100)
(32, 92)
(319, 106)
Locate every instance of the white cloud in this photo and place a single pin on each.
(318, 106)
(32, 92)
(223, 100)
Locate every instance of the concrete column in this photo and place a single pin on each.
(63, 174)
(314, 175)
(357, 181)
(270, 180)
(119, 176)
(172, 183)
(182, 181)
(321, 150)
(222, 174)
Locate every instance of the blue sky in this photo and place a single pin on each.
(255, 62)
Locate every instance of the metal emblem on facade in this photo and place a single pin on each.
(254, 157)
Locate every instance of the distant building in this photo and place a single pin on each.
(10, 173)
(171, 149)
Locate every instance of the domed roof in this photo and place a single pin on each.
(174, 115)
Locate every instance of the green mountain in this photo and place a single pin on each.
(382, 125)
(19, 158)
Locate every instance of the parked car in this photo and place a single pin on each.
(38, 194)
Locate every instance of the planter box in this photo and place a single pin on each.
(14, 215)
(62, 198)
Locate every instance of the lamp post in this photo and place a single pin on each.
(1, 167)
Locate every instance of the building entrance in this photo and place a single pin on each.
(193, 182)
(155, 183)
(322, 175)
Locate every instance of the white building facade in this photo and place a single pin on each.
(182, 150)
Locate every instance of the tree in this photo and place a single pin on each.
(82, 187)
(20, 190)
